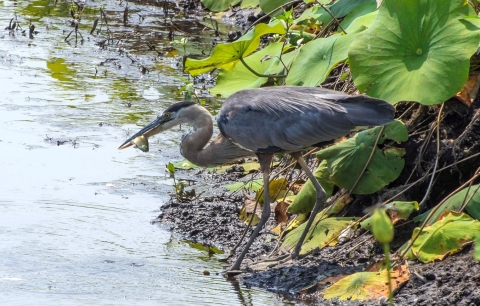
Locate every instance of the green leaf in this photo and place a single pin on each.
(254, 185)
(445, 237)
(413, 45)
(476, 251)
(396, 210)
(359, 11)
(219, 5)
(231, 81)
(321, 233)
(381, 226)
(341, 8)
(269, 5)
(318, 57)
(454, 203)
(306, 198)
(347, 159)
(228, 54)
(249, 3)
(171, 168)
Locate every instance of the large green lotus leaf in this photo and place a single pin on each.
(231, 81)
(322, 233)
(219, 5)
(307, 196)
(396, 210)
(454, 203)
(347, 159)
(445, 237)
(412, 47)
(317, 58)
(229, 53)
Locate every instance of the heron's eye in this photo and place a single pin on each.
(167, 115)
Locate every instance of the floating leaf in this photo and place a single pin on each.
(347, 159)
(449, 235)
(219, 5)
(396, 210)
(318, 57)
(224, 54)
(367, 285)
(454, 203)
(413, 45)
(306, 198)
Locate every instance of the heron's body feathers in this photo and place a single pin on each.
(273, 119)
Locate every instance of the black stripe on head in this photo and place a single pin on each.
(177, 106)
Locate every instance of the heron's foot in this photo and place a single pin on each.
(232, 273)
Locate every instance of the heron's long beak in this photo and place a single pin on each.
(151, 129)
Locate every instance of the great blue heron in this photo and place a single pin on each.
(266, 121)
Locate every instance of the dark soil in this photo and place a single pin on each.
(213, 220)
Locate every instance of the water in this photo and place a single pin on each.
(75, 212)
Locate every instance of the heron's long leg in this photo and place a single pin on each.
(264, 160)
(318, 205)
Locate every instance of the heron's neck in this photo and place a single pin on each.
(194, 145)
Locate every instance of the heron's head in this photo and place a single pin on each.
(176, 114)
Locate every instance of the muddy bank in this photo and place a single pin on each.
(215, 222)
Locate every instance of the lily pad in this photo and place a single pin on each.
(253, 185)
(413, 45)
(347, 159)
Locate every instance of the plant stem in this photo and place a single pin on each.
(386, 250)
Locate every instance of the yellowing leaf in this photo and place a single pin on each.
(447, 236)
(367, 285)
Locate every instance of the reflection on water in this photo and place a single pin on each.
(75, 212)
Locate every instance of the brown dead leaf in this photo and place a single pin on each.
(281, 215)
(469, 90)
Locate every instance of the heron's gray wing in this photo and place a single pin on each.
(292, 118)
